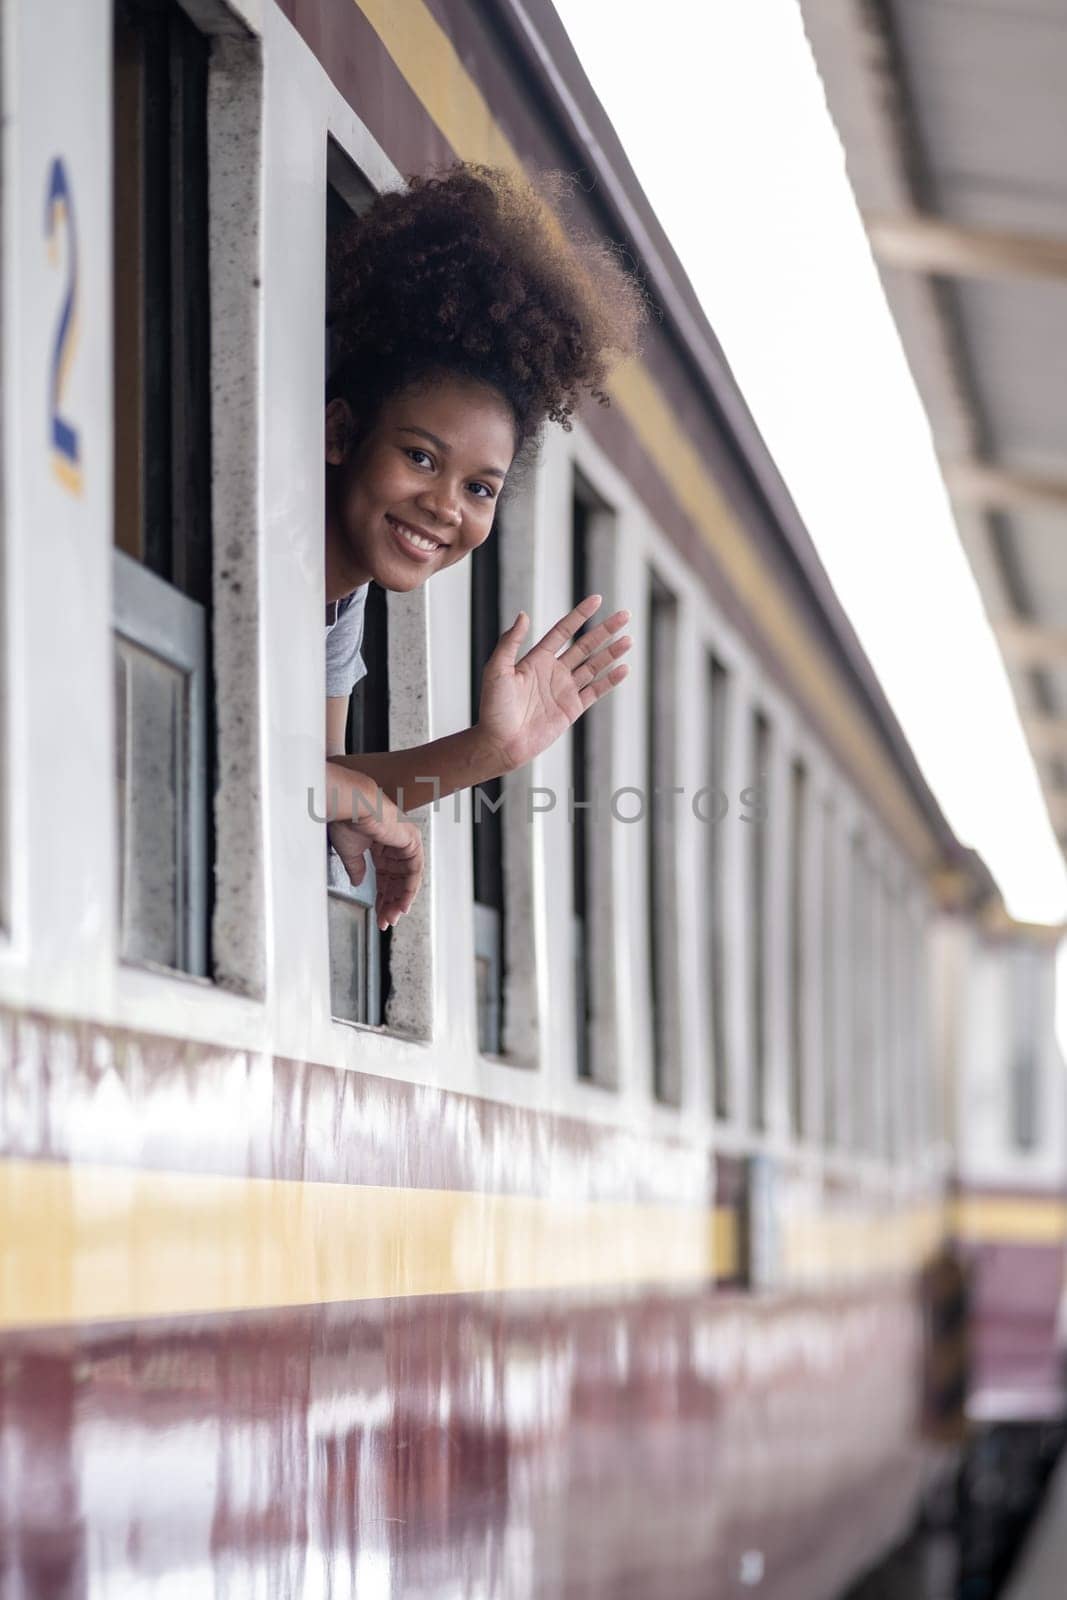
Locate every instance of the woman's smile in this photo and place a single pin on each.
(414, 542)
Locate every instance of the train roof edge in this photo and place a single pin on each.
(534, 32)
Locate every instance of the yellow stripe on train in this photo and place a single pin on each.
(87, 1242)
(1016, 1219)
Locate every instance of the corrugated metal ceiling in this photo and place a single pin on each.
(954, 118)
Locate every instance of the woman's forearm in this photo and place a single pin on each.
(428, 772)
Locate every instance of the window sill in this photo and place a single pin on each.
(157, 999)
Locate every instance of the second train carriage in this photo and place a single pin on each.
(566, 1240)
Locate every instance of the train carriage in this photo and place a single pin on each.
(568, 1239)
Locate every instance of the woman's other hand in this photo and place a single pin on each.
(393, 840)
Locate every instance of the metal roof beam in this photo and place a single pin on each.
(1028, 644)
(928, 244)
(976, 483)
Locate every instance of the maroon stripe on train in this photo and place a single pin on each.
(1015, 1291)
(543, 1444)
(359, 66)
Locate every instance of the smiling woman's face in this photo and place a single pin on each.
(419, 491)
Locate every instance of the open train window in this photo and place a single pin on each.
(581, 897)
(359, 951)
(798, 846)
(661, 750)
(163, 545)
(861, 989)
(718, 710)
(487, 817)
(757, 920)
(592, 901)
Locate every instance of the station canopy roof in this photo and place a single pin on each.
(953, 114)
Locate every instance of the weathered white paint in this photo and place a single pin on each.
(60, 954)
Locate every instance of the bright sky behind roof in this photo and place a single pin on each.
(722, 114)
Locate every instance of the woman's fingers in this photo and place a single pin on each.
(593, 666)
(561, 635)
(596, 691)
(507, 646)
(398, 869)
(581, 649)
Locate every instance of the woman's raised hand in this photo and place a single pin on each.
(525, 705)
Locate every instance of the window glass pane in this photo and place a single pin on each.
(354, 946)
(488, 977)
(151, 777)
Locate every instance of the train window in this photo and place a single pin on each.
(582, 963)
(718, 709)
(879, 1063)
(1025, 1023)
(930, 1091)
(830, 978)
(592, 898)
(798, 844)
(487, 817)
(890, 1050)
(907, 1091)
(359, 951)
(861, 985)
(919, 1092)
(889, 1025)
(661, 754)
(757, 920)
(915, 1088)
(163, 555)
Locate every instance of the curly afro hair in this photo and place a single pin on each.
(471, 273)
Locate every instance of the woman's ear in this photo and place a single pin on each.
(340, 432)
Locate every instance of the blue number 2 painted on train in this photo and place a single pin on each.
(64, 440)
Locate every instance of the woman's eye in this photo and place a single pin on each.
(420, 457)
(481, 490)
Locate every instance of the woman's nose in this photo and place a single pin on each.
(443, 505)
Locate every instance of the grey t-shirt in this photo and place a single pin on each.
(344, 638)
(344, 668)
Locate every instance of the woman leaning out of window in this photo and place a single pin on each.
(465, 318)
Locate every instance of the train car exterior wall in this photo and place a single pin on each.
(292, 1306)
